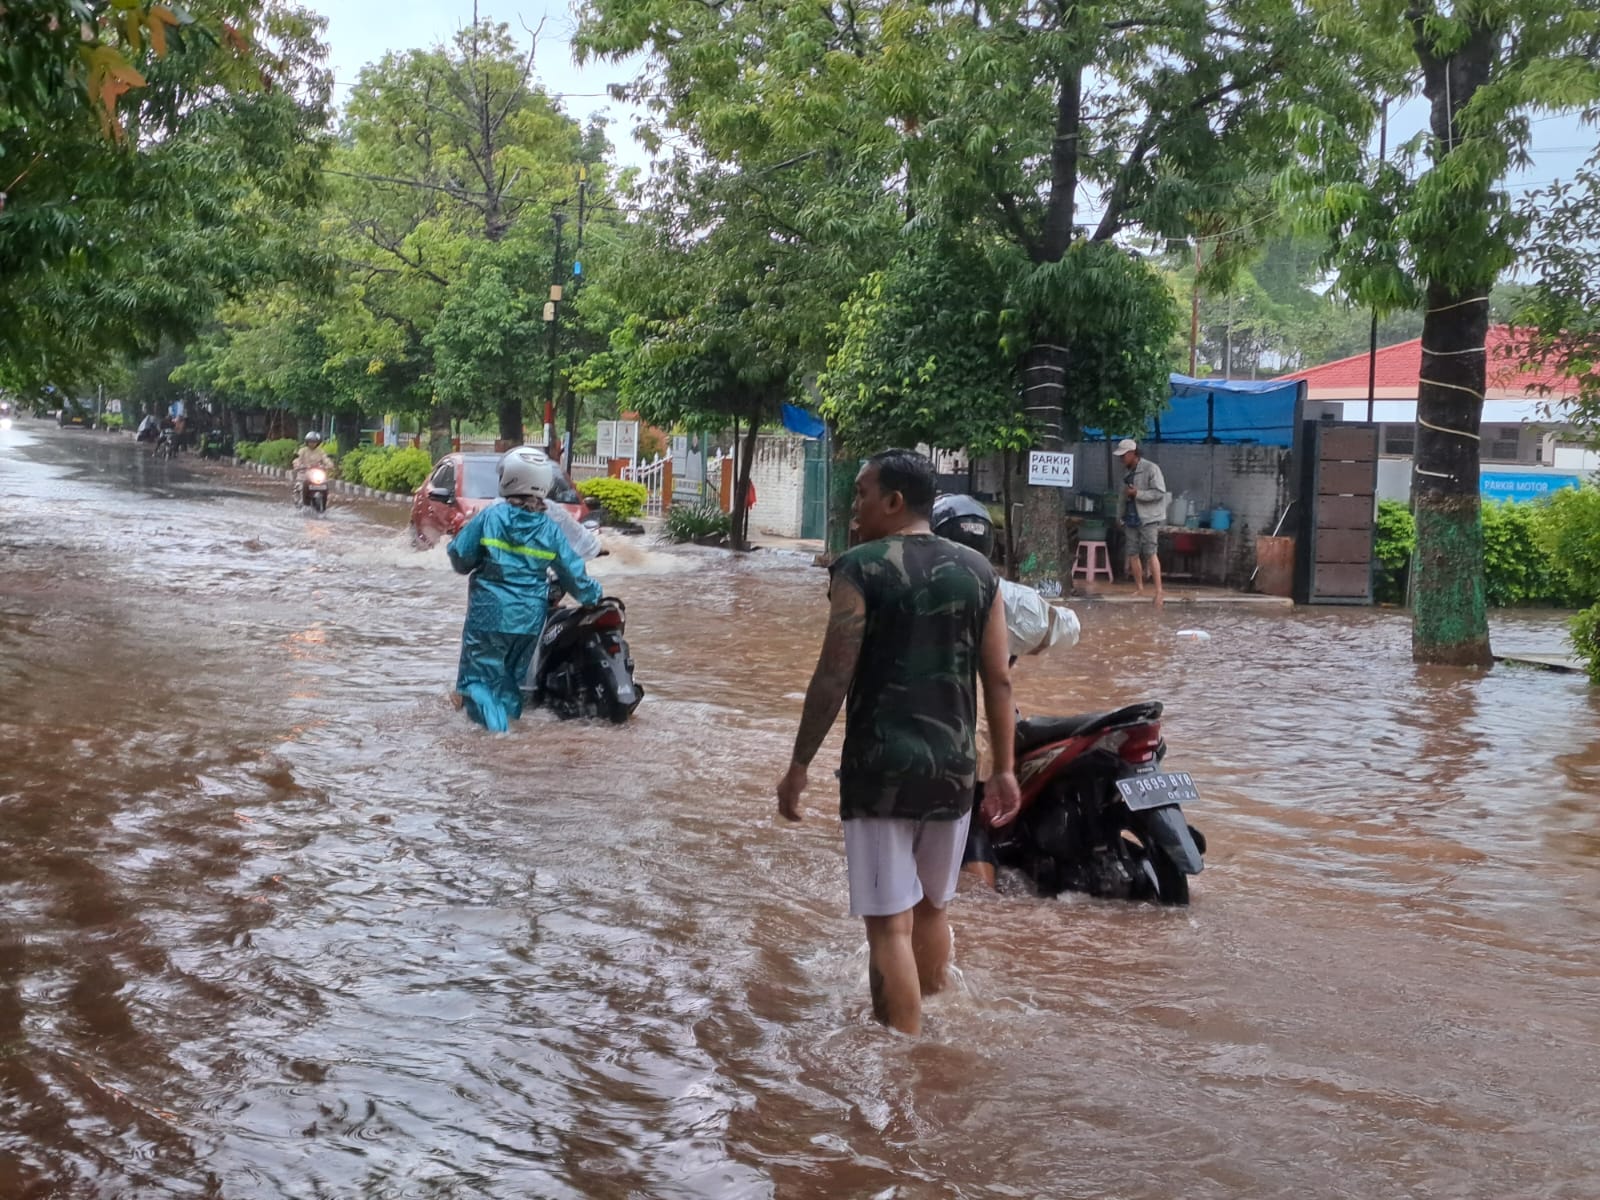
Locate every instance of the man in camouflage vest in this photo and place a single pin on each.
(914, 620)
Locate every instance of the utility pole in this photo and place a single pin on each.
(1372, 343)
(577, 278)
(1194, 311)
(552, 316)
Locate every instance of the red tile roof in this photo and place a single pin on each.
(1399, 365)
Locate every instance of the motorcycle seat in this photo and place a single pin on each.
(1041, 731)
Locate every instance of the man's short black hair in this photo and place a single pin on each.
(910, 474)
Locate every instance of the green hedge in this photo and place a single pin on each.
(1397, 538)
(622, 499)
(277, 453)
(386, 468)
(1544, 552)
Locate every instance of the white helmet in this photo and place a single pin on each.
(313, 438)
(526, 471)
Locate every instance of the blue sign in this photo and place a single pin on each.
(1514, 485)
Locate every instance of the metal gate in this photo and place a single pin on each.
(814, 497)
(1340, 496)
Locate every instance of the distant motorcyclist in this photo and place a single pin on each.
(509, 550)
(149, 429)
(310, 456)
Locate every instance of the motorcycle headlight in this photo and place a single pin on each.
(316, 476)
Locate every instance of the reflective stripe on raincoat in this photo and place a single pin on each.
(508, 551)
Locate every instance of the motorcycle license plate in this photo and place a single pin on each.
(1140, 792)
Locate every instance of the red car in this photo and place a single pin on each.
(463, 484)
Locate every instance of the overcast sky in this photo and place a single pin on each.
(362, 31)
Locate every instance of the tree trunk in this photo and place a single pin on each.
(741, 485)
(439, 442)
(1449, 624)
(347, 430)
(1040, 540)
(511, 421)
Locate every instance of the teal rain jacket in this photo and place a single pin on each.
(508, 551)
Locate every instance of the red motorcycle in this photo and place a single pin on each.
(1099, 813)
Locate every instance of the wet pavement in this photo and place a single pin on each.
(276, 921)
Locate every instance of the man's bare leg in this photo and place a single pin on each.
(892, 972)
(1136, 574)
(1155, 573)
(981, 871)
(930, 945)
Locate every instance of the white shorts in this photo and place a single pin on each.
(894, 864)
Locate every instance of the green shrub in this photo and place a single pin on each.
(111, 420)
(277, 453)
(622, 499)
(686, 524)
(245, 451)
(1585, 630)
(1396, 540)
(1516, 568)
(350, 463)
(394, 470)
(1568, 531)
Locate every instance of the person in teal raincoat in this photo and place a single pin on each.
(508, 550)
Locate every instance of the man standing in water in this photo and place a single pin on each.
(914, 620)
(1144, 507)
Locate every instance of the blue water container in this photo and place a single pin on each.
(1221, 518)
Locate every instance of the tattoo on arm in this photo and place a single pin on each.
(841, 648)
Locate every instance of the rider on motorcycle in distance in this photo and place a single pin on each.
(1033, 626)
(308, 456)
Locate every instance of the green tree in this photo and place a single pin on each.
(1559, 310)
(453, 164)
(990, 120)
(1439, 237)
(920, 360)
(147, 161)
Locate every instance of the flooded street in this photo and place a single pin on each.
(276, 921)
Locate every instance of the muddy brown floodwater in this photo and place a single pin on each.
(276, 921)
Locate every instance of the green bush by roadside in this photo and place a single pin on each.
(688, 524)
(277, 453)
(1397, 538)
(396, 470)
(350, 463)
(622, 499)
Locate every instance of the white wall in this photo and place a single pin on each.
(779, 475)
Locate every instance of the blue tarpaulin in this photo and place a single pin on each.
(798, 420)
(1230, 411)
(1226, 411)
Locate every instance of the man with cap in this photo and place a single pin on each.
(1144, 507)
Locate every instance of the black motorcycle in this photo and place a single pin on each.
(167, 444)
(583, 667)
(1101, 813)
